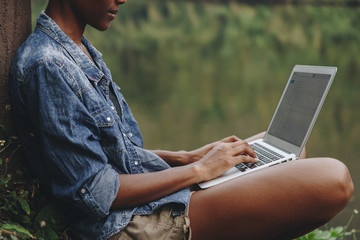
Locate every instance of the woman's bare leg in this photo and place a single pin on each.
(280, 202)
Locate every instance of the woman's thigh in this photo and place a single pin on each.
(277, 202)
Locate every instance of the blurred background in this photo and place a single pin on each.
(195, 72)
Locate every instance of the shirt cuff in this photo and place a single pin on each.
(98, 193)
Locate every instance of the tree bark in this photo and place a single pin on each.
(15, 27)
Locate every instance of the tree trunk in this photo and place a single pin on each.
(15, 27)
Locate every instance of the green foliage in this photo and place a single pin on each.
(24, 212)
(337, 233)
(17, 231)
(332, 234)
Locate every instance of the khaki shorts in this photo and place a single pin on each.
(160, 225)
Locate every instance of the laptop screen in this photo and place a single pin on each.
(298, 106)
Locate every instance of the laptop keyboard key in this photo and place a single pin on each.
(242, 167)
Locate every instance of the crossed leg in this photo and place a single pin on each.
(280, 202)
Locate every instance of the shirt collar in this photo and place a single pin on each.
(49, 27)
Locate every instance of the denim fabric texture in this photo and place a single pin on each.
(75, 142)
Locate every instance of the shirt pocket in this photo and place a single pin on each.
(103, 118)
(110, 137)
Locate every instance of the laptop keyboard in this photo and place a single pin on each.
(264, 155)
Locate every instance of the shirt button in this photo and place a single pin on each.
(130, 134)
(83, 190)
(124, 134)
(108, 119)
(112, 107)
(136, 163)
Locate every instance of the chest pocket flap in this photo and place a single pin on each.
(104, 118)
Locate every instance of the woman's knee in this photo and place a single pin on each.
(345, 185)
(340, 186)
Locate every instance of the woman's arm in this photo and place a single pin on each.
(174, 159)
(182, 157)
(137, 189)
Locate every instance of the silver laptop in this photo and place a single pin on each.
(292, 121)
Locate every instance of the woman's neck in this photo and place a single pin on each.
(66, 19)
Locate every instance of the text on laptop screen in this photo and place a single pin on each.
(298, 106)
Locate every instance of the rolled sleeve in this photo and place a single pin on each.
(99, 193)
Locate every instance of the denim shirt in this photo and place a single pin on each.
(74, 140)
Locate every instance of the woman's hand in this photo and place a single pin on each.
(221, 156)
(197, 154)
(181, 158)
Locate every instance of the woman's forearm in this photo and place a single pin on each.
(138, 189)
(178, 158)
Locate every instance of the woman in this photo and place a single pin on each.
(86, 149)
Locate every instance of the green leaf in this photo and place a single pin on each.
(309, 236)
(2, 128)
(19, 230)
(323, 235)
(50, 213)
(24, 205)
(13, 237)
(13, 194)
(50, 234)
(24, 194)
(338, 230)
(4, 131)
